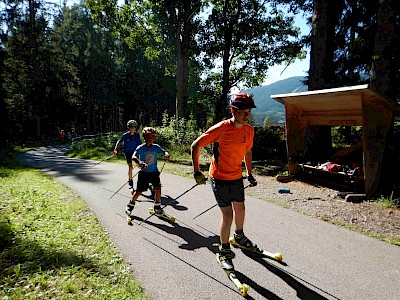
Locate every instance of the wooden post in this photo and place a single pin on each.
(295, 132)
(376, 124)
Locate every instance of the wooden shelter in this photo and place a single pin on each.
(346, 106)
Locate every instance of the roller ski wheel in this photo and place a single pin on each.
(129, 220)
(163, 216)
(275, 256)
(243, 288)
(131, 190)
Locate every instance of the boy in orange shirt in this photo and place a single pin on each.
(232, 142)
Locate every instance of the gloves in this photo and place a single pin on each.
(142, 165)
(252, 181)
(115, 152)
(199, 177)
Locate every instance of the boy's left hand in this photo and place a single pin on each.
(252, 180)
(167, 156)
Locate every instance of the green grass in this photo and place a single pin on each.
(387, 202)
(51, 244)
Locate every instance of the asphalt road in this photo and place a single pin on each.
(177, 261)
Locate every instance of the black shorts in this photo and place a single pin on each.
(144, 179)
(227, 191)
(128, 157)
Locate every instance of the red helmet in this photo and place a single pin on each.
(242, 101)
(149, 131)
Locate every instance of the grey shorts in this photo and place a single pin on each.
(227, 191)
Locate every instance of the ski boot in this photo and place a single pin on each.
(128, 210)
(241, 241)
(159, 212)
(130, 186)
(224, 257)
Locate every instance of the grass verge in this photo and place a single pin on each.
(51, 244)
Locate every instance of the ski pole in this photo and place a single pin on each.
(123, 186)
(107, 158)
(215, 205)
(205, 211)
(162, 168)
(170, 202)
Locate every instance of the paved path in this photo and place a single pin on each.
(177, 261)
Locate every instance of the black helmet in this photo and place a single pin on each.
(242, 101)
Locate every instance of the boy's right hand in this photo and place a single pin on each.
(115, 152)
(142, 165)
(199, 177)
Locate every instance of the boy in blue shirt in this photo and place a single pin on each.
(145, 158)
(130, 139)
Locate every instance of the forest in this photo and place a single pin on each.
(92, 66)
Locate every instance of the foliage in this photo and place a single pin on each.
(177, 134)
(269, 143)
(242, 40)
(96, 148)
(345, 136)
(61, 70)
(387, 202)
(46, 254)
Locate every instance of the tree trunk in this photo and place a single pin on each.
(380, 70)
(229, 23)
(184, 31)
(381, 81)
(182, 76)
(318, 140)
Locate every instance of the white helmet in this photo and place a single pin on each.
(132, 123)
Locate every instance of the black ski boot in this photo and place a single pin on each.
(243, 242)
(129, 208)
(158, 210)
(225, 257)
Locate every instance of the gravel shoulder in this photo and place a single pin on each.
(320, 202)
(316, 201)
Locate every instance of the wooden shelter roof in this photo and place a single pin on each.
(336, 101)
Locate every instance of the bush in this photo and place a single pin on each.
(269, 143)
(177, 135)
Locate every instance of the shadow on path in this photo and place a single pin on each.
(61, 165)
(193, 238)
(303, 292)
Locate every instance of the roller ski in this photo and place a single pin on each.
(161, 214)
(128, 210)
(246, 245)
(226, 264)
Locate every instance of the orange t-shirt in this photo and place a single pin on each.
(230, 146)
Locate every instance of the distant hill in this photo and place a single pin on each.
(266, 106)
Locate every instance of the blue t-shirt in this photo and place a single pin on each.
(130, 141)
(149, 156)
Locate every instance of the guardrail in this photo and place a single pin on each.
(90, 137)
